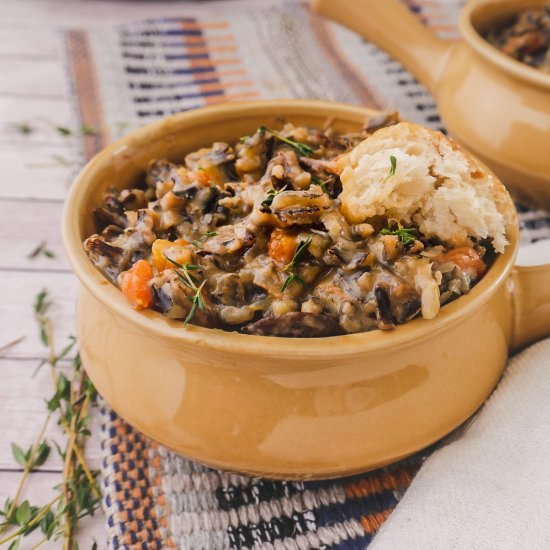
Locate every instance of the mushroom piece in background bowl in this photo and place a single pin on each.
(284, 407)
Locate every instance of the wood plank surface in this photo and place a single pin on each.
(38, 170)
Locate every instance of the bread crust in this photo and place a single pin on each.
(437, 186)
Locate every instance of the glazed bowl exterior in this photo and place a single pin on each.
(497, 107)
(282, 407)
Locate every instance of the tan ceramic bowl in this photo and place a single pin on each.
(279, 407)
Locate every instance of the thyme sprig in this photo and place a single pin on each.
(197, 302)
(318, 181)
(41, 250)
(302, 148)
(271, 194)
(299, 253)
(184, 275)
(405, 234)
(78, 495)
(23, 128)
(11, 344)
(27, 127)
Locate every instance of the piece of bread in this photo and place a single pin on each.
(435, 186)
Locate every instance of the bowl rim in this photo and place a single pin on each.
(156, 325)
(491, 54)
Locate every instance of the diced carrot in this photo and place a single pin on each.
(213, 174)
(158, 249)
(200, 176)
(467, 259)
(135, 284)
(281, 246)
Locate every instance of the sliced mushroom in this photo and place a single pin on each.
(285, 166)
(162, 170)
(380, 119)
(229, 239)
(319, 165)
(110, 259)
(228, 289)
(300, 207)
(111, 212)
(384, 315)
(295, 325)
(252, 155)
(216, 162)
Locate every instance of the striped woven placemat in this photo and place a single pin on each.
(126, 76)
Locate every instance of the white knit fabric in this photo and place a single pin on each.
(490, 487)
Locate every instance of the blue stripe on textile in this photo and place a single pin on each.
(170, 85)
(163, 32)
(246, 536)
(354, 508)
(176, 57)
(167, 57)
(152, 44)
(177, 97)
(166, 72)
(171, 20)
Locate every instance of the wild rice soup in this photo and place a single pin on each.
(250, 237)
(526, 38)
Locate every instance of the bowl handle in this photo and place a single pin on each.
(393, 28)
(531, 297)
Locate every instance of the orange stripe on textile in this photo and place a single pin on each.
(214, 62)
(393, 480)
(373, 522)
(233, 97)
(211, 49)
(204, 41)
(192, 25)
(237, 72)
(225, 85)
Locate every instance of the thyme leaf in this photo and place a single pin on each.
(318, 181)
(393, 168)
(290, 278)
(183, 275)
(302, 148)
(59, 159)
(41, 250)
(271, 194)
(5, 347)
(405, 234)
(23, 128)
(197, 300)
(63, 131)
(83, 130)
(301, 249)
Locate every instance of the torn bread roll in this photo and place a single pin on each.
(422, 178)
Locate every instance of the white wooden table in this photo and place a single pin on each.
(34, 85)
